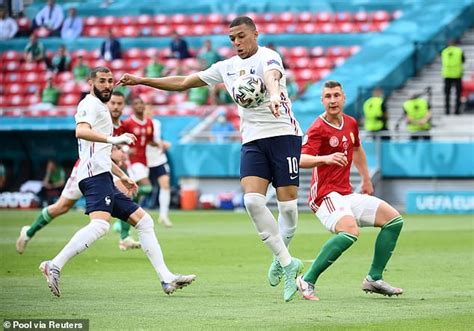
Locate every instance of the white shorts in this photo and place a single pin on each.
(361, 206)
(71, 189)
(138, 171)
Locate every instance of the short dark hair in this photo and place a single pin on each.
(93, 72)
(239, 20)
(332, 84)
(118, 94)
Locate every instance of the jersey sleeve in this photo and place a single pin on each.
(213, 74)
(311, 142)
(272, 60)
(85, 114)
(356, 134)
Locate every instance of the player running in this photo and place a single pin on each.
(94, 130)
(271, 142)
(331, 145)
(71, 193)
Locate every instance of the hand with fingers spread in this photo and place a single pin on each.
(339, 159)
(125, 138)
(130, 185)
(128, 79)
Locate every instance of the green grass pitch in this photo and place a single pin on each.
(433, 263)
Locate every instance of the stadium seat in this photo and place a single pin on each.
(298, 52)
(214, 18)
(285, 18)
(109, 21)
(130, 31)
(305, 17)
(144, 20)
(321, 63)
(134, 64)
(15, 88)
(11, 56)
(329, 28)
(128, 21)
(134, 53)
(70, 87)
(11, 66)
(337, 51)
(317, 51)
(348, 27)
(380, 16)
(361, 17)
(91, 21)
(162, 30)
(161, 19)
(179, 19)
(226, 52)
(272, 28)
(343, 17)
(324, 17)
(12, 77)
(24, 24)
(64, 77)
(69, 99)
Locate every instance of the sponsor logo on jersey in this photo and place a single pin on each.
(230, 74)
(333, 141)
(345, 143)
(242, 72)
(252, 71)
(273, 61)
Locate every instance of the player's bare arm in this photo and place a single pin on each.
(127, 182)
(171, 83)
(360, 161)
(310, 161)
(84, 131)
(272, 82)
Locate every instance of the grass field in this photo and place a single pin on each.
(433, 263)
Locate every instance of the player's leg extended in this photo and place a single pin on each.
(165, 198)
(47, 214)
(144, 189)
(332, 249)
(144, 225)
(267, 228)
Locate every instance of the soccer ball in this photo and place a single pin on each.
(249, 91)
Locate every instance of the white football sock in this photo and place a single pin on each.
(287, 219)
(152, 249)
(81, 240)
(164, 198)
(266, 226)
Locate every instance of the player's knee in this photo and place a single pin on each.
(101, 226)
(254, 202)
(289, 212)
(145, 223)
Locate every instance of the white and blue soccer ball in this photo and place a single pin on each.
(249, 91)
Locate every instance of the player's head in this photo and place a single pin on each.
(138, 106)
(333, 97)
(377, 92)
(116, 104)
(101, 82)
(118, 155)
(243, 35)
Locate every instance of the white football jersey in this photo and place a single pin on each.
(154, 155)
(259, 122)
(95, 157)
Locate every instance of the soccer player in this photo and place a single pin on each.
(271, 142)
(142, 128)
(157, 162)
(103, 200)
(330, 146)
(71, 193)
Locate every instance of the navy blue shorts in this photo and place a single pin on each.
(275, 159)
(158, 171)
(102, 195)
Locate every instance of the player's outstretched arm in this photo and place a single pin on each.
(311, 161)
(360, 161)
(84, 131)
(171, 83)
(272, 83)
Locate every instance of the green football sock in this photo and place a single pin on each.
(43, 219)
(332, 249)
(384, 246)
(143, 190)
(124, 230)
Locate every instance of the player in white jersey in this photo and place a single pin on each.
(157, 162)
(271, 142)
(103, 200)
(71, 194)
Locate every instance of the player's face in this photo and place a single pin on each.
(116, 105)
(333, 100)
(138, 106)
(103, 85)
(244, 40)
(117, 155)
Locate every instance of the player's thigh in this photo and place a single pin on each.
(71, 190)
(99, 193)
(284, 154)
(333, 208)
(138, 172)
(384, 214)
(123, 206)
(365, 208)
(254, 162)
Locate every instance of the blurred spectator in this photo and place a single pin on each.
(3, 177)
(50, 94)
(50, 17)
(452, 58)
(207, 55)
(80, 70)
(53, 182)
(34, 51)
(291, 86)
(199, 95)
(221, 130)
(179, 47)
(418, 117)
(222, 96)
(375, 112)
(72, 26)
(61, 60)
(8, 26)
(110, 48)
(155, 68)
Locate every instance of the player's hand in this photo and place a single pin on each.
(128, 79)
(125, 138)
(130, 185)
(275, 104)
(367, 187)
(339, 159)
